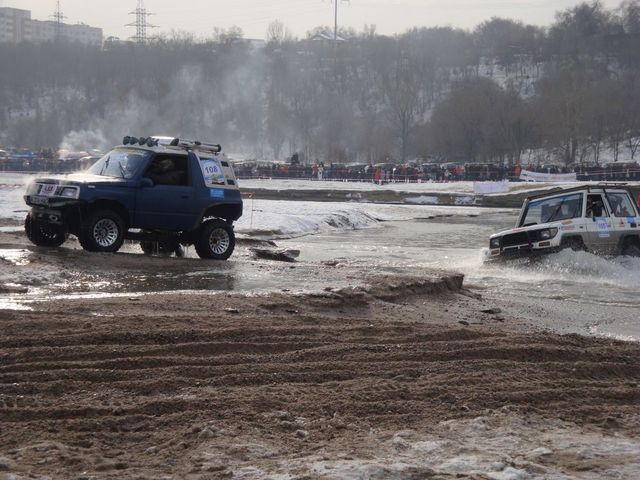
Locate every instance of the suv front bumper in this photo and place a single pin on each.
(519, 251)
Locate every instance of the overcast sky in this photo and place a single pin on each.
(253, 16)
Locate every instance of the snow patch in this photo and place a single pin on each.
(423, 200)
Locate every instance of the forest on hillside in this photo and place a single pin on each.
(568, 92)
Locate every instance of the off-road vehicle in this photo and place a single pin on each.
(164, 192)
(599, 218)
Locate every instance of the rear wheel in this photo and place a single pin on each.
(631, 250)
(44, 234)
(102, 231)
(216, 240)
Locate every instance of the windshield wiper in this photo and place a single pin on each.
(122, 170)
(555, 212)
(105, 165)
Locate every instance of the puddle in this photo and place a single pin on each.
(16, 256)
(11, 304)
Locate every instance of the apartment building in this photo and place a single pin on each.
(17, 26)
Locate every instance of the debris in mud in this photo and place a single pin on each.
(492, 311)
(283, 255)
(232, 310)
(13, 289)
(255, 242)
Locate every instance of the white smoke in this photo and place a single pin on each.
(192, 107)
(84, 140)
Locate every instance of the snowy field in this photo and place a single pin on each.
(419, 188)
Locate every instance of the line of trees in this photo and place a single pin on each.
(569, 91)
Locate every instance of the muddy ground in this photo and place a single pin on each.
(407, 377)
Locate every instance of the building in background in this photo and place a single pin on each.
(45, 31)
(17, 26)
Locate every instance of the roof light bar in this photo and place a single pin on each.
(156, 140)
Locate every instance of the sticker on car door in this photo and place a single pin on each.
(603, 227)
(212, 172)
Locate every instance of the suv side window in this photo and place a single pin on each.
(595, 206)
(169, 170)
(621, 205)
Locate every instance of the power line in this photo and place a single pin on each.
(141, 23)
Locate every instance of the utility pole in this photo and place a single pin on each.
(58, 18)
(141, 23)
(335, 25)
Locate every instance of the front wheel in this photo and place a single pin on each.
(44, 234)
(216, 241)
(574, 243)
(102, 231)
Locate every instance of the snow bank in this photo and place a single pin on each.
(272, 219)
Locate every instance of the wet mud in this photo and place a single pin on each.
(361, 376)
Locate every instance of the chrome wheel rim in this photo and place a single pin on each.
(105, 232)
(219, 241)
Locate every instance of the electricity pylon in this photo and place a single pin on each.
(58, 18)
(141, 23)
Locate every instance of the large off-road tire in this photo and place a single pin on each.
(631, 250)
(574, 243)
(216, 240)
(102, 231)
(44, 234)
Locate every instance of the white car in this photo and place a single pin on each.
(598, 218)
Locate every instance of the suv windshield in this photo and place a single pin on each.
(553, 209)
(121, 163)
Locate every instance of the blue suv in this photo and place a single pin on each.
(164, 192)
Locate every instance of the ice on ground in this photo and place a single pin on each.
(499, 446)
(273, 219)
(423, 200)
(419, 188)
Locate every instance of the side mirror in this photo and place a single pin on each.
(146, 182)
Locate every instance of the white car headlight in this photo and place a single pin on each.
(548, 234)
(495, 242)
(70, 192)
(32, 188)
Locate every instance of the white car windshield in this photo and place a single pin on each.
(553, 209)
(120, 163)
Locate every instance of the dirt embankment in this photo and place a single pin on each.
(232, 386)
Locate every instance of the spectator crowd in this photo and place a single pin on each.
(48, 160)
(448, 172)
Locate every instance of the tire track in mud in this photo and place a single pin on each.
(108, 389)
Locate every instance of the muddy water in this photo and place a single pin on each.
(579, 291)
(568, 291)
